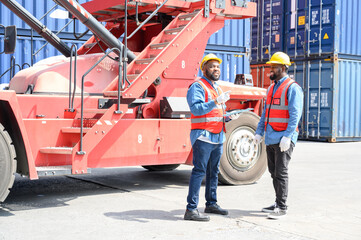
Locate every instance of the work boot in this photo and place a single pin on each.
(195, 216)
(277, 213)
(270, 209)
(216, 210)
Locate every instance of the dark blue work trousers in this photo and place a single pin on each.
(206, 157)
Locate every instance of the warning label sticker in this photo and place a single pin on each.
(326, 36)
(301, 20)
(277, 38)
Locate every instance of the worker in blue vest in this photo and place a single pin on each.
(278, 125)
(206, 101)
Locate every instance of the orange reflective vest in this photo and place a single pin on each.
(277, 114)
(212, 121)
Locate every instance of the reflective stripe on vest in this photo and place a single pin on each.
(212, 121)
(277, 114)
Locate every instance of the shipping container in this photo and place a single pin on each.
(332, 106)
(22, 55)
(255, 35)
(260, 75)
(232, 64)
(267, 30)
(323, 27)
(234, 36)
(39, 8)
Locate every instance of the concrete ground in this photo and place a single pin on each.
(132, 203)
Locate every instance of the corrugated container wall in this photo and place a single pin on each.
(323, 27)
(260, 75)
(332, 106)
(234, 37)
(23, 54)
(267, 30)
(232, 64)
(38, 8)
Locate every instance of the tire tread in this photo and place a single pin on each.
(12, 151)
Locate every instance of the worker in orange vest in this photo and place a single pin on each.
(278, 124)
(206, 101)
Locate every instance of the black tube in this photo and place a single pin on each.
(95, 26)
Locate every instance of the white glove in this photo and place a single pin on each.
(257, 139)
(285, 144)
(224, 97)
(234, 116)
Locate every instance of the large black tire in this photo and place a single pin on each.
(168, 167)
(7, 163)
(242, 162)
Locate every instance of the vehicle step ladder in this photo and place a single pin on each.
(162, 50)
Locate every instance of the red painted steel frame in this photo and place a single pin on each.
(138, 135)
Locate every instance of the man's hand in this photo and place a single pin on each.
(224, 97)
(285, 144)
(234, 116)
(257, 139)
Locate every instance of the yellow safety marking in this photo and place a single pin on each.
(326, 36)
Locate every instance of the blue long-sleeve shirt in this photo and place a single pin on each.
(295, 106)
(198, 106)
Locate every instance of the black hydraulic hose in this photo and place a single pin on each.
(95, 26)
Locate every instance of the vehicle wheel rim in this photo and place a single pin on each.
(242, 153)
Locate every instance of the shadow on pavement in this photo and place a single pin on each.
(5, 212)
(237, 213)
(144, 216)
(56, 191)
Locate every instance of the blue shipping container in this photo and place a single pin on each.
(234, 36)
(38, 8)
(232, 64)
(332, 90)
(23, 55)
(323, 27)
(267, 30)
(255, 31)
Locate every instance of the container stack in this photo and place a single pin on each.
(323, 40)
(267, 30)
(232, 45)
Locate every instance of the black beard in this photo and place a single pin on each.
(273, 77)
(276, 75)
(211, 76)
